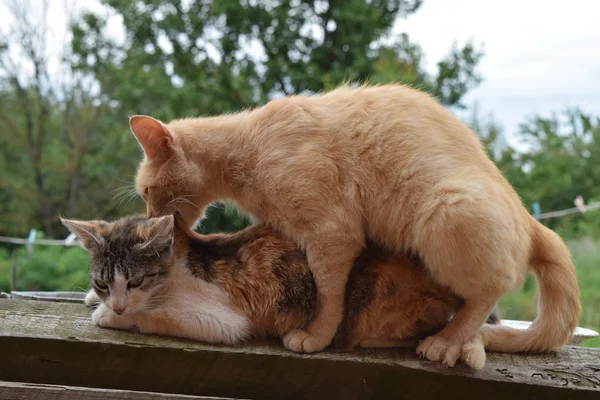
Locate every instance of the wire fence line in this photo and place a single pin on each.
(71, 240)
(567, 211)
(47, 242)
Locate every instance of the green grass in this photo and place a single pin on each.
(522, 304)
(48, 268)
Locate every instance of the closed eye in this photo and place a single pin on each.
(101, 285)
(135, 282)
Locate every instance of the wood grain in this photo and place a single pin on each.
(32, 391)
(55, 343)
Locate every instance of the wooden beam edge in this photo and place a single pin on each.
(55, 343)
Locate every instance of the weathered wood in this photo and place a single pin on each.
(55, 343)
(32, 391)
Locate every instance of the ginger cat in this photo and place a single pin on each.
(165, 279)
(387, 163)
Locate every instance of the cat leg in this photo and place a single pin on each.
(92, 298)
(473, 352)
(446, 346)
(223, 328)
(476, 247)
(330, 260)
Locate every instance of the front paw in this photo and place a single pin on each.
(107, 318)
(92, 298)
(436, 348)
(301, 341)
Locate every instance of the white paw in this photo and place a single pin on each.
(99, 313)
(92, 298)
(107, 318)
(301, 341)
(473, 354)
(438, 349)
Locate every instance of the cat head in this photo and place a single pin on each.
(167, 179)
(129, 258)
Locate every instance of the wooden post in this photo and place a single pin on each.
(13, 270)
(56, 344)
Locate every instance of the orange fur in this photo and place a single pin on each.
(388, 163)
(388, 297)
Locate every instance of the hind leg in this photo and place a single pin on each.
(480, 251)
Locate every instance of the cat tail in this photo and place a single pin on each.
(559, 307)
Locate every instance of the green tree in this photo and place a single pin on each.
(559, 164)
(562, 163)
(62, 154)
(183, 58)
(206, 57)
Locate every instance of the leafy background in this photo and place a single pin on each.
(65, 147)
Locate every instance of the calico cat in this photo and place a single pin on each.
(225, 288)
(385, 162)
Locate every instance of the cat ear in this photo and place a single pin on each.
(87, 231)
(154, 136)
(160, 235)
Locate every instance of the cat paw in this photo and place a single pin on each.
(300, 341)
(99, 313)
(473, 354)
(107, 318)
(438, 349)
(92, 298)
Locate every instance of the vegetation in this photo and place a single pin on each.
(68, 150)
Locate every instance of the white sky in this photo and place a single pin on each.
(540, 55)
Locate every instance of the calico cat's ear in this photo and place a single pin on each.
(87, 232)
(154, 136)
(159, 234)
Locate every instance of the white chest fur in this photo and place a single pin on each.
(203, 310)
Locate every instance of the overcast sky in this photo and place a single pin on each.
(540, 55)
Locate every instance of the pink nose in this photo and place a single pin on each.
(117, 309)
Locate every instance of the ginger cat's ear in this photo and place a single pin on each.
(87, 232)
(154, 136)
(159, 233)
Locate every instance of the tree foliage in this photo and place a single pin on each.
(186, 58)
(69, 152)
(65, 148)
(208, 57)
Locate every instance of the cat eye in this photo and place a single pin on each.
(101, 284)
(135, 282)
(145, 193)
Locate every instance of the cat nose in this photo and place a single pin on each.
(118, 309)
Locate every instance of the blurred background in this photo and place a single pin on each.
(523, 75)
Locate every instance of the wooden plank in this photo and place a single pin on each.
(31, 391)
(55, 343)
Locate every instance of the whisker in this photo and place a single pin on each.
(182, 200)
(124, 194)
(131, 198)
(129, 183)
(72, 285)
